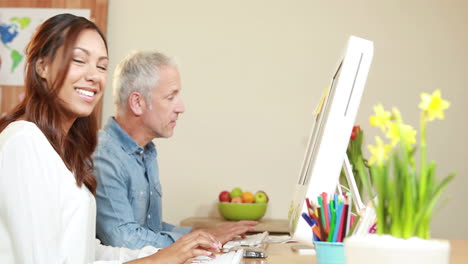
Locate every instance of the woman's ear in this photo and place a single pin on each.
(136, 103)
(42, 68)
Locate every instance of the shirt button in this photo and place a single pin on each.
(149, 216)
(151, 193)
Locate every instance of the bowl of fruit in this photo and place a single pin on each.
(239, 205)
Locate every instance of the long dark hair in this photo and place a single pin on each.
(41, 104)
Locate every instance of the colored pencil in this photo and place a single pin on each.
(323, 233)
(348, 220)
(316, 231)
(308, 203)
(337, 220)
(307, 219)
(332, 228)
(331, 219)
(325, 210)
(322, 212)
(336, 200)
(354, 221)
(342, 228)
(313, 216)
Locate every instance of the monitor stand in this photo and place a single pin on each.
(356, 196)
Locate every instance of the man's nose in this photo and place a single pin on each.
(180, 107)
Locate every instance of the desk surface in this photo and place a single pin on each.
(270, 225)
(282, 253)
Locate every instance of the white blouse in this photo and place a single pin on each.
(44, 216)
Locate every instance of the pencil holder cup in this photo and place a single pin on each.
(329, 252)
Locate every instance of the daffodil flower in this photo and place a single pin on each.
(380, 152)
(381, 117)
(401, 132)
(408, 134)
(393, 133)
(396, 114)
(433, 106)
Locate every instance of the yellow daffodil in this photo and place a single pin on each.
(380, 152)
(393, 133)
(433, 106)
(401, 132)
(408, 134)
(396, 114)
(381, 117)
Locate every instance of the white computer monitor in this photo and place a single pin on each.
(333, 121)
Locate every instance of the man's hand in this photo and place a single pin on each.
(226, 232)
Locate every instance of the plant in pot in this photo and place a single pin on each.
(354, 154)
(405, 192)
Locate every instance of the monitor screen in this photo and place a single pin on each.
(333, 121)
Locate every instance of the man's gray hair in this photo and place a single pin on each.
(138, 72)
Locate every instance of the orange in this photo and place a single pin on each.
(247, 197)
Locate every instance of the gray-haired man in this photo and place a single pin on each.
(148, 102)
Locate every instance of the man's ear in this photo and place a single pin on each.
(42, 68)
(136, 103)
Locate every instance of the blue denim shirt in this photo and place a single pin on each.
(128, 195)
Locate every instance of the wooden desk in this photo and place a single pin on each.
(279, 226)
(459, 251)
(282, 253)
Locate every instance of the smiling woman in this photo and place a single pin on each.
(67, 123)
(86, 79)
(47, 207)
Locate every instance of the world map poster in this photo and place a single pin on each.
(17, 25)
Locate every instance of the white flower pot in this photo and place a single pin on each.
(386, 249)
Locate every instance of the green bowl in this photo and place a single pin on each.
(242, 211)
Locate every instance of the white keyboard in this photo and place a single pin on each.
(232, 257)
(248, 241)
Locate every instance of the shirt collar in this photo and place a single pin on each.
(127, 142)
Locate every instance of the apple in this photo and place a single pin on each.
(236, 192)
(261, 197)
(224, 196)
(237, 199)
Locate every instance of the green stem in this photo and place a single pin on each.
(408, 180)
(396, 199)
(423, 178)
(379, 180)
(424, 215)
(364, 178)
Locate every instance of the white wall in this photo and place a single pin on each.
(252, 73)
